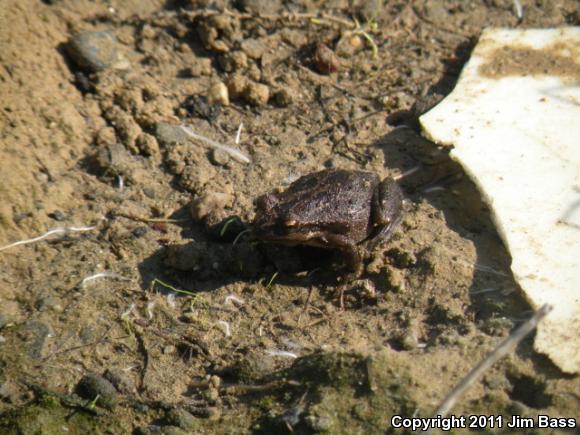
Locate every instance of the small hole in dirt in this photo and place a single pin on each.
(529, 391)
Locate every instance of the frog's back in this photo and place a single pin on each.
(335, 198)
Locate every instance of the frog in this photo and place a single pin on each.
(348, 210)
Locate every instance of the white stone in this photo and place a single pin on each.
(517, 135)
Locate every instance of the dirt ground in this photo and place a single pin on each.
(194, 326)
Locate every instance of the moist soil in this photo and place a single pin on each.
(155, 310)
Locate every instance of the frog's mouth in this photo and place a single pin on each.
(281, 236)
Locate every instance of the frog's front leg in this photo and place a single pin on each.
(354, 262)
(386, 211)
(354, 258)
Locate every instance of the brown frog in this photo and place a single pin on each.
(337, 209)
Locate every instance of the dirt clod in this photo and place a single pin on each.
(237, 84)
(257, 94)
(181, 418)
(210, 202)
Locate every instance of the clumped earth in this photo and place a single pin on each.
(194, 326)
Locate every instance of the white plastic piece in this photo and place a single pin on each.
(514, 123)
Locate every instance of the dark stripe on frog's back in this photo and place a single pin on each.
(320, 203)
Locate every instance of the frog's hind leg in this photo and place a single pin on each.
(386, 211)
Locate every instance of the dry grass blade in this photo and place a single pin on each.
(236, 154)
(59, 231)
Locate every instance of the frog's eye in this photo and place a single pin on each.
(290, 222)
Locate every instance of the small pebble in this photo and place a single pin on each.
(219, 157)
(349, 45)
(257, 94)
(325, 60)
(169, 349)
(218, 93)
(139, 232)
(237, 85)
(57, 215)
(408, 340)
(96, 51)
(284, 98)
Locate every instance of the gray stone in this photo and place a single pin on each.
(96, 51)
(93, 386)
(34, 335)
(181, 418)
(121, 381)
(167, 134)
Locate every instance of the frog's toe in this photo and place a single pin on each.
(357, 291)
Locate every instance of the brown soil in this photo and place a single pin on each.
(80, 148)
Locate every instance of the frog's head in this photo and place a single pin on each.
(270, 222)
